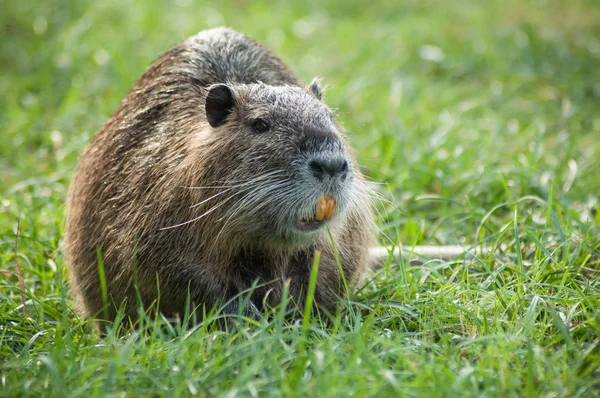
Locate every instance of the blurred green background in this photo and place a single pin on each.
(477, 121)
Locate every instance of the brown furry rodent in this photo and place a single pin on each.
(219, 171)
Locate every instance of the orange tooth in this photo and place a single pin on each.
(322, 208)
(330, 206)
(325, 208)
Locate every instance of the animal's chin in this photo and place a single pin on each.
(302, 226)
(309, 226)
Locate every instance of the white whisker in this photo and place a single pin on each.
(210, 197)
(255, 196)
(242, 182)
(244, 187)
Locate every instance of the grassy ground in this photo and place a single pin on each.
(481, 118)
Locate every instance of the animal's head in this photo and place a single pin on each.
(282, 160)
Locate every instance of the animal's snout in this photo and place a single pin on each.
(329, 167)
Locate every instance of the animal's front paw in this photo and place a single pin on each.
(244, 307)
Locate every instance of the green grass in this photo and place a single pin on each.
(481, 119)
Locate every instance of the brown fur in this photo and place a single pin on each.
(136, 180)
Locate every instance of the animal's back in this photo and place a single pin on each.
(223, 55)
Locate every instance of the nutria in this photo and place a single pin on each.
(219, 172)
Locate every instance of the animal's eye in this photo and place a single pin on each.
(260, 126)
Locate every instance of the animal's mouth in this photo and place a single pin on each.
(323, 212)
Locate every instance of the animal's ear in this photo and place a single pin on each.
(219, 104)
(315, 88)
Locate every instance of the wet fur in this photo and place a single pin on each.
(157, 165)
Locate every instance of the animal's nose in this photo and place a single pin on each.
(332, 167)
